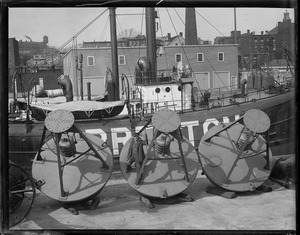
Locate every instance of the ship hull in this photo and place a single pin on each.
(81, 115)
(195, 123)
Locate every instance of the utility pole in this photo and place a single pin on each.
(79, 68)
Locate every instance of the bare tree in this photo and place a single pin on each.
(128, 33)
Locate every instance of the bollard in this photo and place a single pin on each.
(89, 90)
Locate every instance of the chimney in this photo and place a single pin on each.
(286, 16)
(267, 31)
(262, 32)
(190, 26)
(248, 31)
(169, 36)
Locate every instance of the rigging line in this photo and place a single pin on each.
(186, 56)
(211, 25)
(80, 31)
(208, 62)
(161, 31)
(141, 31)
(98, 50)
(181, 44)
(88, 25)
(131, 56)
(70, 62)
(205, 57)
(119, 25)
(105, 27)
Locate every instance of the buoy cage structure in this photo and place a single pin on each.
(158, 161)
(70, 166)
(21, 194)
(235, 156)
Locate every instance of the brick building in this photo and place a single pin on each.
(258, 49)
(33, 47)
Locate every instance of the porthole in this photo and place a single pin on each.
(179, 88)
(167, 89)
(157, 90)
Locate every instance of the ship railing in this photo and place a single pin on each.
(149, 108)
(224, 96)
(153, 78)
(219, 97)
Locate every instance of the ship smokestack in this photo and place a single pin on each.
(190, 26)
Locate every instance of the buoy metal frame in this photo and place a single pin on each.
(21, 194)
(58, 123)
(227, 150)
(154, 177)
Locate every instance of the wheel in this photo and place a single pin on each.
(21, 194)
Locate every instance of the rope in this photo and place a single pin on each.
(201, 51)
(79, 32)
(161, 31)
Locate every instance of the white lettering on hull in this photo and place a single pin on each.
(190, 126)
(115, 139)
(120, 135)
(97, 131)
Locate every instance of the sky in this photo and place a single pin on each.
(61, 24)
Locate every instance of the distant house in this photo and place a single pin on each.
(177, 40)
(213, 66)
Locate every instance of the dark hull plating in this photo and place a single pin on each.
(40, 114)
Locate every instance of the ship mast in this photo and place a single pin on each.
(151, 42)
(113, 85)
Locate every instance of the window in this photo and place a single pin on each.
(122, 60)
(178, 58)
(90, 61)
(255, 39)
(200, 57)
(220, 56)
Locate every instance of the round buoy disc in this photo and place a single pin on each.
(162, 178)
(166, 120)
(83, 177)
(218, 159)
(257, 121)
(59, 120)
